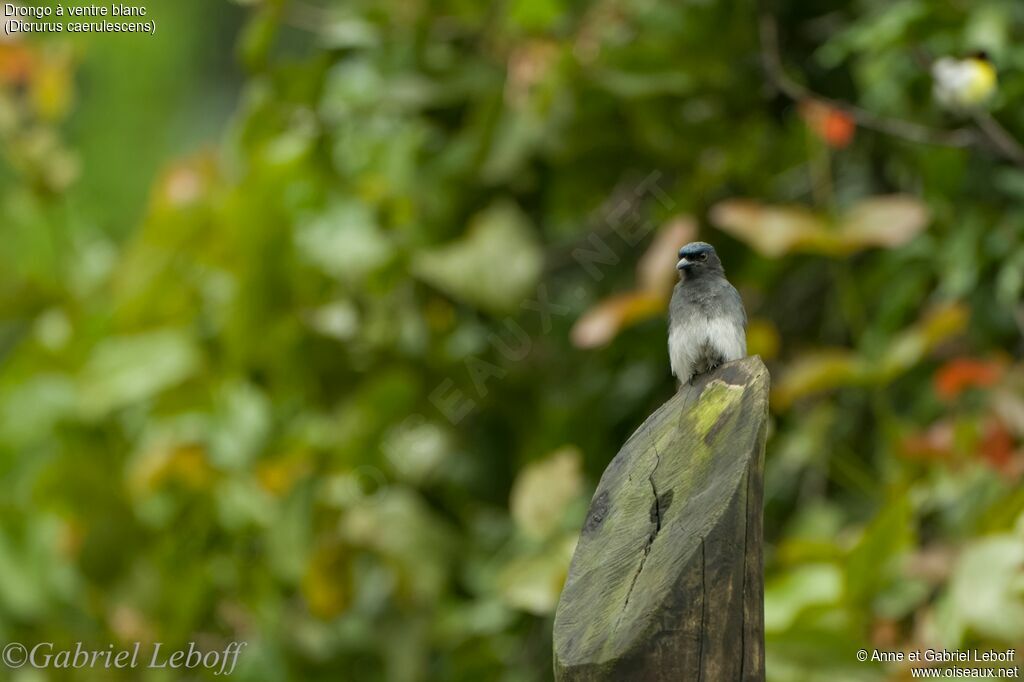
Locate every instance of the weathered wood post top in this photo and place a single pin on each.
(667, 580)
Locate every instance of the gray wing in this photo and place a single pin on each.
(730, 322)
(733, 305)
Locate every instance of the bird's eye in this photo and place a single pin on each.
(702, 257)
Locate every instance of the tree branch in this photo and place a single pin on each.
(999, 137)
(989, 133)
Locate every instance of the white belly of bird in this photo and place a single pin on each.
(689, 346)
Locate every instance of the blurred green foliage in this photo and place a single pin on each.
(345, 388)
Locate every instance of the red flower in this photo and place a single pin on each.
(959, 374)
(834, 126)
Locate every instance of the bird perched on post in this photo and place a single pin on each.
(706, 319)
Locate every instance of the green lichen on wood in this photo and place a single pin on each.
(666, 580)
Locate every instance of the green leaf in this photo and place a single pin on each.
(32, 575)
(986, 588)
(535, 14)
(871, 562)
(400, 527)
(534, 581)
(417, 448)
(352, 85)
(494, 267)
(240, 425)
(787, 595)
(345, 242)
(30, 411)
(349, 32)
(128, 369)
(544, 490)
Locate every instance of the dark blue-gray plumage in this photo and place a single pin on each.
(706, 320)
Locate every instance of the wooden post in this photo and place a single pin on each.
(667, 580)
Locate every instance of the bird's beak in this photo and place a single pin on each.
(684, 264)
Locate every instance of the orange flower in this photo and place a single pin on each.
(959, 374)
(834, 126)
(16, 63)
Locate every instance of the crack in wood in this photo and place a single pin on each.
(656, 513)
(703, 611)
(656, 507)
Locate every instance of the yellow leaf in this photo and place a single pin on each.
(817, 372)
(185, 464)
(656, 272)
(886, 221)
(603, 322)
(52, 89)
(911, 346)
(771, 230)
(279, 476)
(656, 276)
(326, 584)
(763, 338)
(832, 368)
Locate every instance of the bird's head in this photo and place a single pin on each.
(696, 259)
